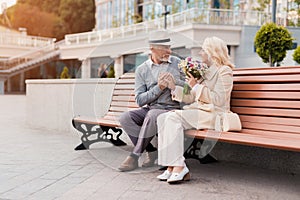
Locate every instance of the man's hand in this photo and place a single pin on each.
(162, 82)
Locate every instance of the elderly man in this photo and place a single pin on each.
(153, 96)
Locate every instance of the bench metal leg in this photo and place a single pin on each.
(193, 151)
(102, 132)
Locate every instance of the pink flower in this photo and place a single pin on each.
(195, 67)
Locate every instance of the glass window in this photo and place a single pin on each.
(109, 14)
(123, 13)
(116, 12)
(103, 16)
(134, 60)
(96, 64)
(131, 5)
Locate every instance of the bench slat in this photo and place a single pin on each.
(110, 123)
(271, 134)
(265, 103)
(271, 120)
(130, 75)
(125, 86)
(265, 95)
(247, 139)
(267, 87)
(112, 114)
(125, 81)
(97, 121)
(112, 117)
(124, 104)
(124, 98)
(265, 78)
(271, 127)
(267, 112)
(118, 108)
(266, 71)
(124, 92)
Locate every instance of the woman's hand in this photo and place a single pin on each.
(192, 81)
(171, 81)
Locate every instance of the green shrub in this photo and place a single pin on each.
(111, 72)
(272, 42)
(65, 73)
(296, 55)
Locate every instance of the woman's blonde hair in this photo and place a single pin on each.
(217, 51)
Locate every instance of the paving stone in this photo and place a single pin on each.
(38, 164)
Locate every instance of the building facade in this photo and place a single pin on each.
(116, 13)
(122, 27)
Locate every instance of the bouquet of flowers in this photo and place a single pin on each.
(194, 67)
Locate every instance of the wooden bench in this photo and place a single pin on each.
(122, 100)
(268, 103)
(266, 99)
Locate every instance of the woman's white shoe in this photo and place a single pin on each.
(164, 176)
(184, 175)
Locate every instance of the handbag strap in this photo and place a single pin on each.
(219, 122)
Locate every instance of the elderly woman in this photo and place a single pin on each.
(213, 89)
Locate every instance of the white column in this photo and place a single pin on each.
(8, 85)
(43, 71)
(2, 86)
(86, 68)
(119, 66)
(22, 82)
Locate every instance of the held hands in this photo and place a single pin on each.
(165, 80)
(171, 81)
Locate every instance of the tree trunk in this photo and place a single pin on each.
(270, 61)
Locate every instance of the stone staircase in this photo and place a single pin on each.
(28, 64)
(21, 63)
(18, 65)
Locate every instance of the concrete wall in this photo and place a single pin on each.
(52, 103)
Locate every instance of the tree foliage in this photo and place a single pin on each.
(296, 55)
(272, 42)
(53, 18)
(50, 6)
(77, 15)
(36, 22)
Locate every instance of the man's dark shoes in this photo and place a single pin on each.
(129, 164)
(150, 159)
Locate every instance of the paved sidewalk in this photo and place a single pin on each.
(42, 165)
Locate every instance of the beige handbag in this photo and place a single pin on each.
(201, 106)
(228, 122)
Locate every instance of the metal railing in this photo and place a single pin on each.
(16, 39)
(193, 15)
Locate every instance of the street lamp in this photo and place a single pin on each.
(274, 4)
(165, 3)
